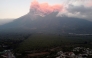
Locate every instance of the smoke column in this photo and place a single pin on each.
(45, 8)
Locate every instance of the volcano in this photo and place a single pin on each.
(37, 21)
(47, 24)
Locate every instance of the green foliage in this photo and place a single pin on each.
(28, 42)
(41, 41)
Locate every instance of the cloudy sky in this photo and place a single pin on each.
(71, 8)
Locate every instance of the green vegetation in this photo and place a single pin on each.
(41, 41)
(23, 44)
(28, 42)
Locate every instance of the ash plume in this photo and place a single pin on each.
(45, 8)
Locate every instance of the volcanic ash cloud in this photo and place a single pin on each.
(45, 8)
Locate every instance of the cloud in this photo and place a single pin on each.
(78, 9)
(70, 8)
(79, 2)
(45, 8)
(88, 3)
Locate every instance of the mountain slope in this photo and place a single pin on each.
(47, 24)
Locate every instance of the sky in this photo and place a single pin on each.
(71, 8)
(16, 8)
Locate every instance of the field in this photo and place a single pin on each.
(43, 41)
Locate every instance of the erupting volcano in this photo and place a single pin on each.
(42, 19)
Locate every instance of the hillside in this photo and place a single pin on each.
(48, 24)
